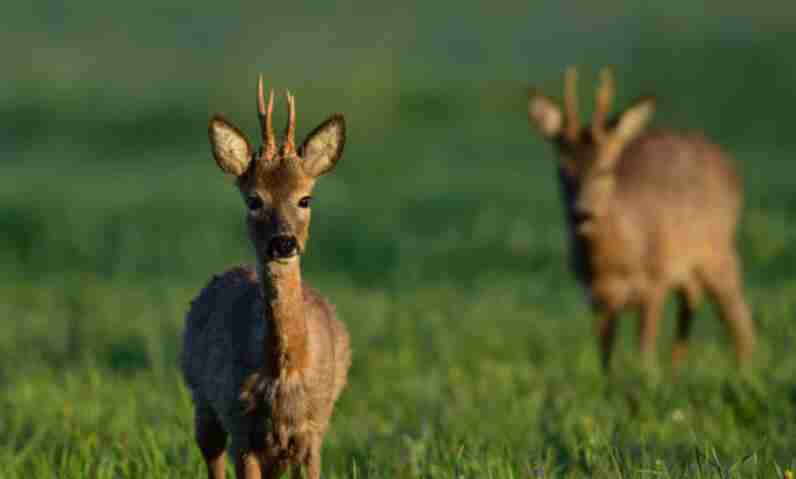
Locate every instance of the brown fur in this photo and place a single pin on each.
(649, 212)
(264, 355)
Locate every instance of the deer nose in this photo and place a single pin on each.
(282, 246)
(582, 216)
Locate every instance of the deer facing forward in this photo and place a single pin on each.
(264, 356)
(648, 212)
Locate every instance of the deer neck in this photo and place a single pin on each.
(285, 311)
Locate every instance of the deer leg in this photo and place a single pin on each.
(651, 312)
(606, 334)
(726, 287)
(688, 298)
(212, 441)
(685, 315)
(314, 461)
(277, 470)
(247, 466)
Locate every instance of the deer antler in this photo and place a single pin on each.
(266, 126)
(605, 96)
(289, 147)
(571, 117)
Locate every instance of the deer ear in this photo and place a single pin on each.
(635, 118)
(545, 115)
(324, 146)
(230, 147)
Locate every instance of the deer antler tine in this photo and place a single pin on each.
(265, 114)
(605, 96)
(269, 122)
(571, 116)
(290, 130)
(260, 100)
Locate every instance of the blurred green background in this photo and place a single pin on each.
(439, 236)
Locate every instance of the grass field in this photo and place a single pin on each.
(439, 237)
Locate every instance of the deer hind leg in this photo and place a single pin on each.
(723, 281)
(606, 334)
(688, 297)
(212, 441)
(651, 313)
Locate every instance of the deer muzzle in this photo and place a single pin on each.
(283, 247)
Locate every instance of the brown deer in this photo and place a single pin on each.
(649, 211)
(264, 356)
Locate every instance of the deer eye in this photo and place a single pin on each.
(254, 202)
(305, 202)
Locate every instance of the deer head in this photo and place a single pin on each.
(276, 183)
(588, 156)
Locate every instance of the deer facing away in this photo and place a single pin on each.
(649, 211)
(264, 356)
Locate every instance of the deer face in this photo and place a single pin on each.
(278, 202)
(276, 183)
(588, 156)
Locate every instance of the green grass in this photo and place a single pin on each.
(439, 237)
